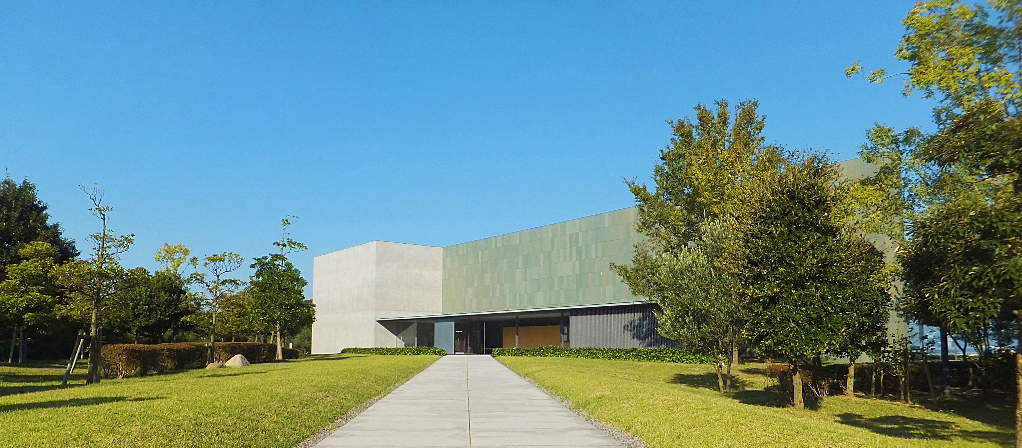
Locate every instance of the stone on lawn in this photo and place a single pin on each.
(238, 360)
(215, 365)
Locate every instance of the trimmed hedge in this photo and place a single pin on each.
(126, 360)
(395, 351)
(661, 354)
(253, 351)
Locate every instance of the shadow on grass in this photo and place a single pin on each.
(334, 357)
(975, 409)
(25, 388)
(921, 428)
(773, 399)
(706, 381)
(71, 402)
(226, 374)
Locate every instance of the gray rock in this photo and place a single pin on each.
(215, 365)
(238, 360)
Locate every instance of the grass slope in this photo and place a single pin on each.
(264, 405)
(677, 405)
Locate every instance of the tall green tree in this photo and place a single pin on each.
(968, 57)
(217, 286)
(91, 282)
(151, 304)
(23, 219)
(807, 268)
(175, 257)
(278, 297)
(29, 295)
(694, 219)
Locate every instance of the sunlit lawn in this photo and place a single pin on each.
(677, 405)
(263, 405)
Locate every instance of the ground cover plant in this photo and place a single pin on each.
(677, 405)
(264, 405)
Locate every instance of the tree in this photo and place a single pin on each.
(28, 295)
(91, 282)
(807, 268)
(238, 316)
(217, 286)
(23, 219)
(174, 257)
(694, 220)
(969, 58)
(278, 297)
(151, 305)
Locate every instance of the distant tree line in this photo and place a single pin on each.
(50, 292)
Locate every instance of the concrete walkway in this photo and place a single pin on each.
(467, 401)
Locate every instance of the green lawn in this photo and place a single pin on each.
(677, 405)
(263, 405)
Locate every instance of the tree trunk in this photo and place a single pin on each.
(14, 342)
(212, 336)
(280, 348)
(796, 383)
(1018, 389)
(929, 377)
(23, 347)
(945, 364)
(873, 381)
(95, 348)
(850, 379)
(735, 356)
(720, 377)
(727, 384)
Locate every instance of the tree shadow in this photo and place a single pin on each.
(921, 428)
(706, 381)
(25, 388)
(334, 357)
(71, 402)
(974, 409)
(227, 374)
(774, 399)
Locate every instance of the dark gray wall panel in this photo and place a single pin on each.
(616, 326)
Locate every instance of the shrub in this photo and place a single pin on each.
(253, 351)
(395, 351)
(126, 360)
(661, 354)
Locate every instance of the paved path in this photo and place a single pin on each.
(467, 401)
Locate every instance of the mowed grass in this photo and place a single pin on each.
(263, 405)
(677, 405)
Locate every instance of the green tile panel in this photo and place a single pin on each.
(563, 264)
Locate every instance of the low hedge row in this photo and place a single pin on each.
(126, 360)
(253, 351)
(395, 351)
(660, 354)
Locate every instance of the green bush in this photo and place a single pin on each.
(395, 351)
(253, 351)
(661, 354)
(126, 360)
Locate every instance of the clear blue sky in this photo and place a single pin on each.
(430, 123)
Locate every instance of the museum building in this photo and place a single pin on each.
(545, 286)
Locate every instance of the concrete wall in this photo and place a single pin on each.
(354, 287)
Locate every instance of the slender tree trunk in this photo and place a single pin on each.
(14, 342)
(95, 347)
(720, 377)
(945, 364)
(22, 347)
(1018, 388)
(212, 335)
(873, 380)
(727, 384)
(796, 383)
(850, 379)
(280, 348)
(929, 377)
(735, 356)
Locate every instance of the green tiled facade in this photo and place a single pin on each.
(558, 265)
